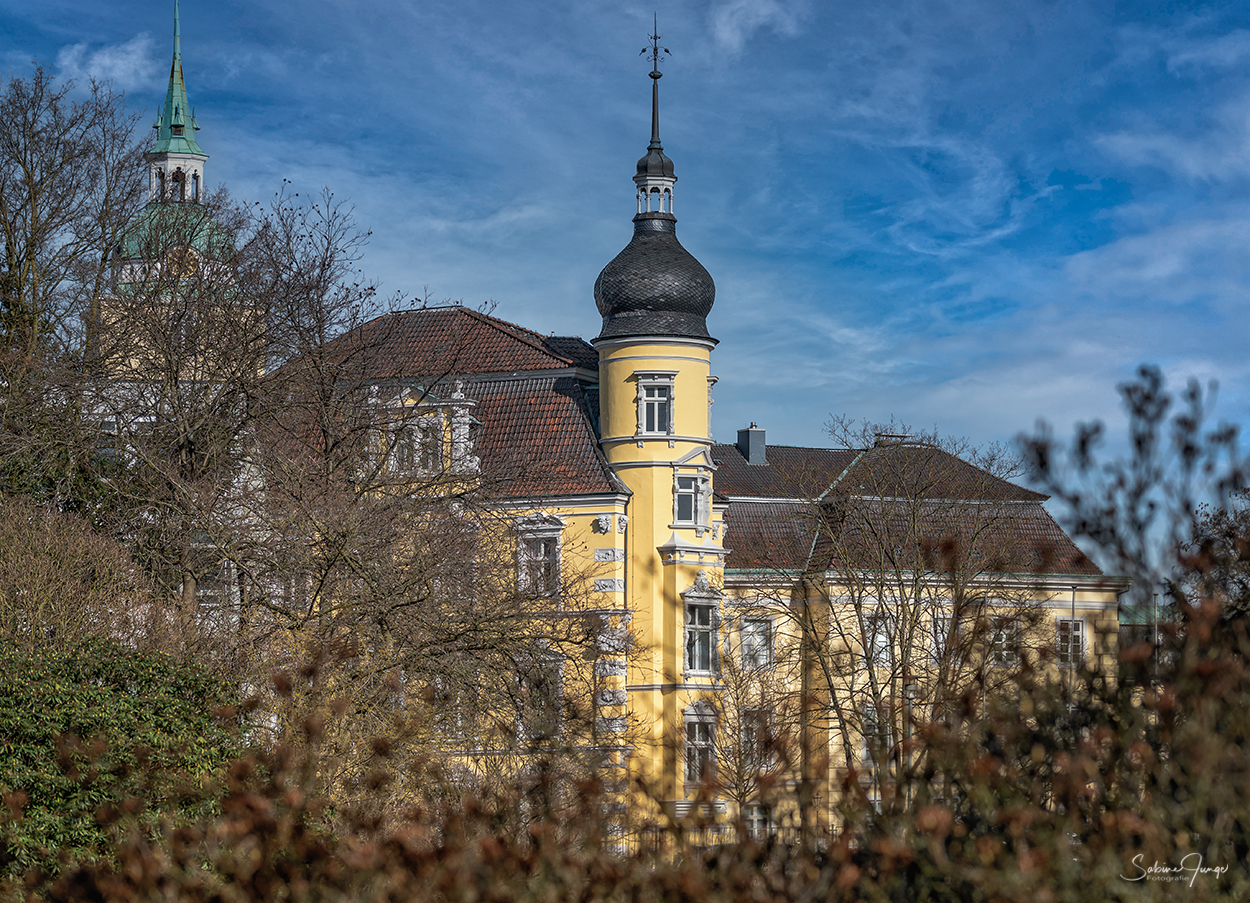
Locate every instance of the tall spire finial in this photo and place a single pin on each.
(176, 161)
(654, 50)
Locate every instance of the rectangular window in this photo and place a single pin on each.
(417, 447)
(1070, 641)
(456, 708)
(877, 638)
(757, 738)
(687, 496)
(656, 402)
(538, 567)
(1005, 638)
(872, 731)
(700, 748)
(692, 494)
(538, 702)
(940, 639)
(758, 821)
(699, 637)
(757, 643)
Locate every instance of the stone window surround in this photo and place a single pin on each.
(702, 501)
(650, 379)
(701, 594)
(538, 527)
(699, 725)
(757, 627)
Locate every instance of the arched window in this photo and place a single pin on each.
(180, 181)
(195, 187)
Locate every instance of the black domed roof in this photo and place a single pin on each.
(655, 286)
(655, 163)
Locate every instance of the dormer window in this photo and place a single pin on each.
(655, 404)
(417, 446)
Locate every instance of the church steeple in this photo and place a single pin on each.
(176, 161)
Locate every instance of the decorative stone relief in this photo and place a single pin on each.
(621, 521)
(610, 667)
(462, 458)
(609, 554)
(609, 585)
(612, 641)
(610, 697)
(536, 524)
(602, 523)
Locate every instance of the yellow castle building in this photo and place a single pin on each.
(772, 617)
(769, 620)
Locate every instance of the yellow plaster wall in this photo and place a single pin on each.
(661, 693)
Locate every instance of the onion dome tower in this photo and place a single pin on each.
(655, 286)
(655, 387)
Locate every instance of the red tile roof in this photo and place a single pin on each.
(893, 504)
(536, 438)
(436, 342)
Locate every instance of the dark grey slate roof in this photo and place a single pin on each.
(655, 286)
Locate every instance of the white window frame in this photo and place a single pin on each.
(1063, 653)
(550, 707)
(412, 448)
(756, 730)
(455, 718)
(694, 483)
(939, 636)
(1004, 641)
(700, 635)
(877, 640)
(757, 818)
(753, 655)
(656, 381)
(699, 746)
(870, 734)
(539, 542)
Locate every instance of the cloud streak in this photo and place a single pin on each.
(129, 66)
(965, 215)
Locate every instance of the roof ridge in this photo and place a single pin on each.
(499, 323)
(529, 337)
(820, 448)
(993, 477)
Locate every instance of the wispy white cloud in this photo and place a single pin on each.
(1169, 265)
(735, 22)
(1219, 51)
(1217, 150)
(129, 66)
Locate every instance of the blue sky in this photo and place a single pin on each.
(968, 215)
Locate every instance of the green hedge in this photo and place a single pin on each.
(95, 728)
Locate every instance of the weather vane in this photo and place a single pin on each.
(655, 50)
